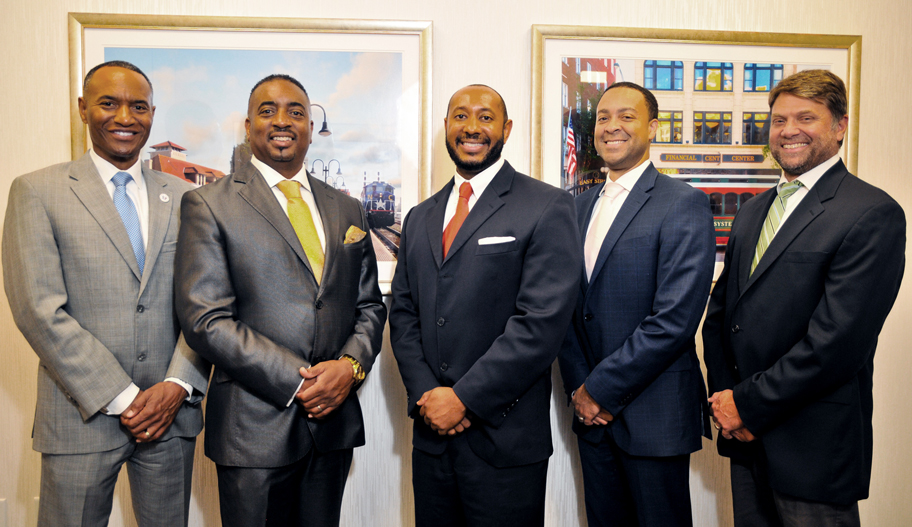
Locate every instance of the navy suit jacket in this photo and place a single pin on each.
(632, 337)
(795, 340)
(488, 319)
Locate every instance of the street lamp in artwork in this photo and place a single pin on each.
(326, 167)
(324, 131)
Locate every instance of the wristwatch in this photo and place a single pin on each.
(358, 371)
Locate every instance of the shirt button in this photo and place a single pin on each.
(588, 318)
(142, 357)
(444, 367)
(441, 321)
(736, 328)
(140, 308)
(319, 304)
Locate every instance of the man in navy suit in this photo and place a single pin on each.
(483, 291)
(629, 361)
(812, 269)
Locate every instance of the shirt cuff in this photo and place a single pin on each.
(120, 403)
(295, 393)
(183, 385)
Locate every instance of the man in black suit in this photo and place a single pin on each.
(811, 272)
(276, 285)
(488, 271)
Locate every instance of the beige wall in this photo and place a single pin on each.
(486, 42)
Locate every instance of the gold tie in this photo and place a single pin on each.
(303, 224)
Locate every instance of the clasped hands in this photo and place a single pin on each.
(325, 388)
(442, 410)
(726, 418)
(152, 411)
(587, 410)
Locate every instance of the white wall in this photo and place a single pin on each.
(487, 42)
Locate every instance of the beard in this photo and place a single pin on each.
(476, 166)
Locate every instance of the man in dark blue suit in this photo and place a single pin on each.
(812, 269)
(483, 291)
(629, 361)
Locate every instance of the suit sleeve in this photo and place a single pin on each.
(35, 286)
(686, 257)
(365, 340)
(205, 301)
(859, 290)
(718, 376)
(572, 359)
(532, 337)
(188, 366)
(405, 330)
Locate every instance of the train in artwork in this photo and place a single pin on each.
(379, 201)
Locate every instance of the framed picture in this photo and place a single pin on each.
(368, 82)
(712, 88)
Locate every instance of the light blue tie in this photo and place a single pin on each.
(128, 214)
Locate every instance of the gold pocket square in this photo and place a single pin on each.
(354, 235)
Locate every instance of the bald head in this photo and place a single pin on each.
(483, 87)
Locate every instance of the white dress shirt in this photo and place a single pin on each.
(479, 183)
(139, 195)
(808, 180)
(605, 211)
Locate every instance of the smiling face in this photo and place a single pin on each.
(279, 126)
(476, 129)
(117, 107)
(623, 130)
(803, 134)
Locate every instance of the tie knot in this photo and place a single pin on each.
(612, 190)
(120, 179)
(291, 189)
(789, 188)
(465, 190)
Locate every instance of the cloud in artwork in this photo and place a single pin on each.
(370, 72)
(377, 153)
(358, 136)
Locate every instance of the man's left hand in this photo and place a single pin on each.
(442, 410)
(591, 412)
(726, 417)
(153, 411)
(333, 380)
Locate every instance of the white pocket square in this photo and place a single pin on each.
(495, 239)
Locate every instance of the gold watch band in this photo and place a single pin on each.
(357, 370)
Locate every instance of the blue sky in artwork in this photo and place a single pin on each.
(201, 103)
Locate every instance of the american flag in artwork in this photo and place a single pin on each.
(571, 150)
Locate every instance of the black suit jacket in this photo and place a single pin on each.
(249, 303)
(489, 318)
(795, 340)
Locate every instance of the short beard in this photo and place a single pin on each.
(476, 166)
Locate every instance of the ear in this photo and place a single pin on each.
(842, 126)
(653, 128)
(82, 110)
(508, 127)
(311, 132)
(247, 128)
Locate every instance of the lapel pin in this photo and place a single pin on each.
(164, 197)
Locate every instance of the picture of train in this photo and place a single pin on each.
(726, 195)
(379, 201)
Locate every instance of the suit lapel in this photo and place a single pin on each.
(434, 223)
(328, 208)
(487, 205)
(258, 195)
(747, 250)
(638, 197)
(161, 205)
(91, 191)
(806, 212)
(584, 216)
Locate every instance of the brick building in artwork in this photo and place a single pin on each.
(171, 158)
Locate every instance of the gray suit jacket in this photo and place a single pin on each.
(76, 294)
(249, 303)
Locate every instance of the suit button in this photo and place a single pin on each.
(140, 308)
(588, 317)
(441, 321)
(444, 367)
(319, 304)
(736, 328)
(142, 357)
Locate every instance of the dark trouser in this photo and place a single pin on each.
(307, 493)
(459, 489)
(78, 489)
(629, 491)
(756, 504)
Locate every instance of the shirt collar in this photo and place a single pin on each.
(273, 178)
(629, 180)
(480, 181)
(812, 176)
(107, 171)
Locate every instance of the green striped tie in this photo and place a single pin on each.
(771, 225)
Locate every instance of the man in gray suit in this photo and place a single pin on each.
(277, 287)
(88, 256)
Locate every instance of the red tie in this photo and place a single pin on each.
(462, 210)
